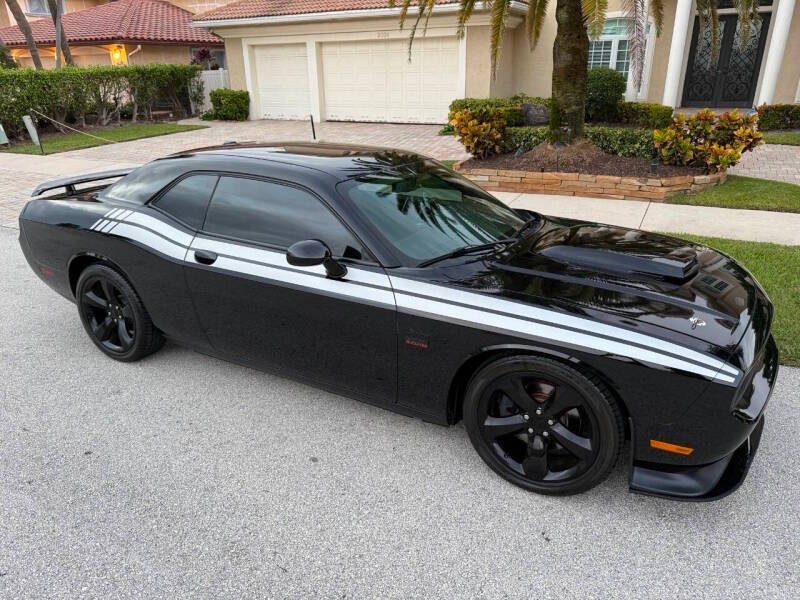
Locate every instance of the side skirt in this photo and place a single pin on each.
(339, 391)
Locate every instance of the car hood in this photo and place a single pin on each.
(626, 276)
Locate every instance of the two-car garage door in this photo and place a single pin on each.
(369, 80)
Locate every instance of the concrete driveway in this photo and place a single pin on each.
(186, 477)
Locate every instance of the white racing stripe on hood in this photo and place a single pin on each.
(556, 318)
(475, 317)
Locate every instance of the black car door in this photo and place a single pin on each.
(257, 308)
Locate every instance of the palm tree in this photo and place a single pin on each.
(62, 46)
(25, 27)
(577, 20)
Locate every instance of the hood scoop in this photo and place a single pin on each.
(676, 265)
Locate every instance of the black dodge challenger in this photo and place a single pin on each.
(387, 277)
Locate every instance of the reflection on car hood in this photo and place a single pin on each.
(628, 276)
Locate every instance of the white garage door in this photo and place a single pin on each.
(374, 81)
(282, 77)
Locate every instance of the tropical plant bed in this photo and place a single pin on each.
(585, 170)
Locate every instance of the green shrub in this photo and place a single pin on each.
(229, 105)
(623, 141)
(707, 140)
(604, 91)
(644, 114)
(447, 129)
(524, 137)
(674, 147)
(489, 109)
(74, 92)
(6, 61)
(480, 138)
(779, 116)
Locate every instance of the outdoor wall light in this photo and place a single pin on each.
(118, 56)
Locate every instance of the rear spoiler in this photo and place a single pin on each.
(69, 183)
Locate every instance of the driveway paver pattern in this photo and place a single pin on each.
(771, 161)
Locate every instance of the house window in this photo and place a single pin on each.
(37, 7)
(612, 48)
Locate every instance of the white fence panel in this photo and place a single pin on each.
(212, 80)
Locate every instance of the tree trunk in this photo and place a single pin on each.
(64, 49)
(570, 64)
(6, 60)
(25, 27)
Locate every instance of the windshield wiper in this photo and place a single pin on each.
(527, 225)
(469, 250)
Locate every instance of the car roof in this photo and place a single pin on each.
(342, 161)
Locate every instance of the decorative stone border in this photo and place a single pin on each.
(656, 189)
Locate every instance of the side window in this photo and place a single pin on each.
(187, 200)
(277, 215)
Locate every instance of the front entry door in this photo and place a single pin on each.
(731, 80)
(257, 308)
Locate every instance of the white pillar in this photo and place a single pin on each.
(781, 20)
(248, 83)
(462, 65)
(315, 84)
(684, 15)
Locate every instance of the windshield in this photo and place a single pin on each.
(426, 211)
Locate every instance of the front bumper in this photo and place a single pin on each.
(728, 440)
(701, 483)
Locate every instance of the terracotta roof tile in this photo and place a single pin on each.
(274, 8)
(132, 21)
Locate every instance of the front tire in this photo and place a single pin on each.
(113, 315)
(542, 425)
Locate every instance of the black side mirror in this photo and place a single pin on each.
(308, 253)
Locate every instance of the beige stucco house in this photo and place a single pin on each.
(114, 33)
(348, 59)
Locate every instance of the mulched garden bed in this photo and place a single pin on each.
(583, 157)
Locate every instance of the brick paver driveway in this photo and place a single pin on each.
(419, 138)
(771, 161)
(20, 174)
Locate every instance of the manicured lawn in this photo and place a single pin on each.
(448, 163)
(747, 192)
(789, 137)
(75, 141)
(777, 268)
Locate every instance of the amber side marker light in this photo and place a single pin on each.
(674, 448)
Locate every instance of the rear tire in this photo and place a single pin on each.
(113, 315)
(542, 425)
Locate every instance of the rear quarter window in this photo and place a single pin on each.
(188, 199)
(145, 182)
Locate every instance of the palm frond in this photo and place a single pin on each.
(425, 9)
(637, 34)
(709, 18)
(499, 13)
(748, 17)
(534, 18)
(464, 13)
(594, 15)
(657, 12)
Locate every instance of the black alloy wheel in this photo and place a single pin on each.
(113, 315)
(543, 425)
